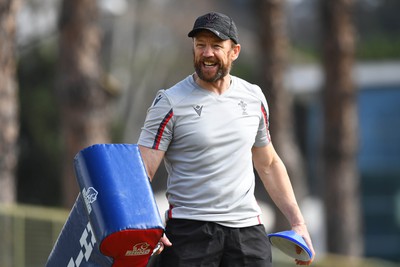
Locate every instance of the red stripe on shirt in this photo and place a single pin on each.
(170, 211)
(265, 115)
(161, 129)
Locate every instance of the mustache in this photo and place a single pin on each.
(202, 59)
(209, 59)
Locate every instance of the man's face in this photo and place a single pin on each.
(212, 56)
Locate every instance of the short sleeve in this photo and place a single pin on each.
(157, 131)
(263, 137)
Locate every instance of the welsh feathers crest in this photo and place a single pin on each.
(211, 18)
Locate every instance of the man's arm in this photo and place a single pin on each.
(151, 159)
(276, 181)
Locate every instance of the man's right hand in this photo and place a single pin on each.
(164, 241)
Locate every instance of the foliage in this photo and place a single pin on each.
(379, 47)
(39, 156)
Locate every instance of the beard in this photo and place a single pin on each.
(221, 72)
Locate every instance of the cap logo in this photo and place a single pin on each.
(211, 18)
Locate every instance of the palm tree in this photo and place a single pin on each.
(9, 125)
(340, 130)
(83, 98)
(9, 122)
(274, 47)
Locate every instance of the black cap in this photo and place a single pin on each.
(219, 24)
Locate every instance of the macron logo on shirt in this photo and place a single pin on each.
(198, 109)
(157, 99)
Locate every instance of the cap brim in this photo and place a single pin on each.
(220, 35)
(289, 243)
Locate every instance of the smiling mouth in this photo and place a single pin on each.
(209, 64)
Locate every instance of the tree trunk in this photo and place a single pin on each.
(274, 47)
(83, 99)
(342, 200)
(9, 125)
(9, 122)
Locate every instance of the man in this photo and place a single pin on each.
(211, 129)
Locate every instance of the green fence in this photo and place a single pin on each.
(28, 233)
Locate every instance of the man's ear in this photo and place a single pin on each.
(236, 51)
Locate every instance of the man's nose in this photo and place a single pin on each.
(208, 51)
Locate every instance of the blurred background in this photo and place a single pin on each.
(76, 73)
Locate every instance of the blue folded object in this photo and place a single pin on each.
(289, 243)
(115, 220)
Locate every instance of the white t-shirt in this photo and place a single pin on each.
(208, 139)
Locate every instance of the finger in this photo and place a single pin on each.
(300, 262)
(309, 244)
(164, 239)
(298, 250)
